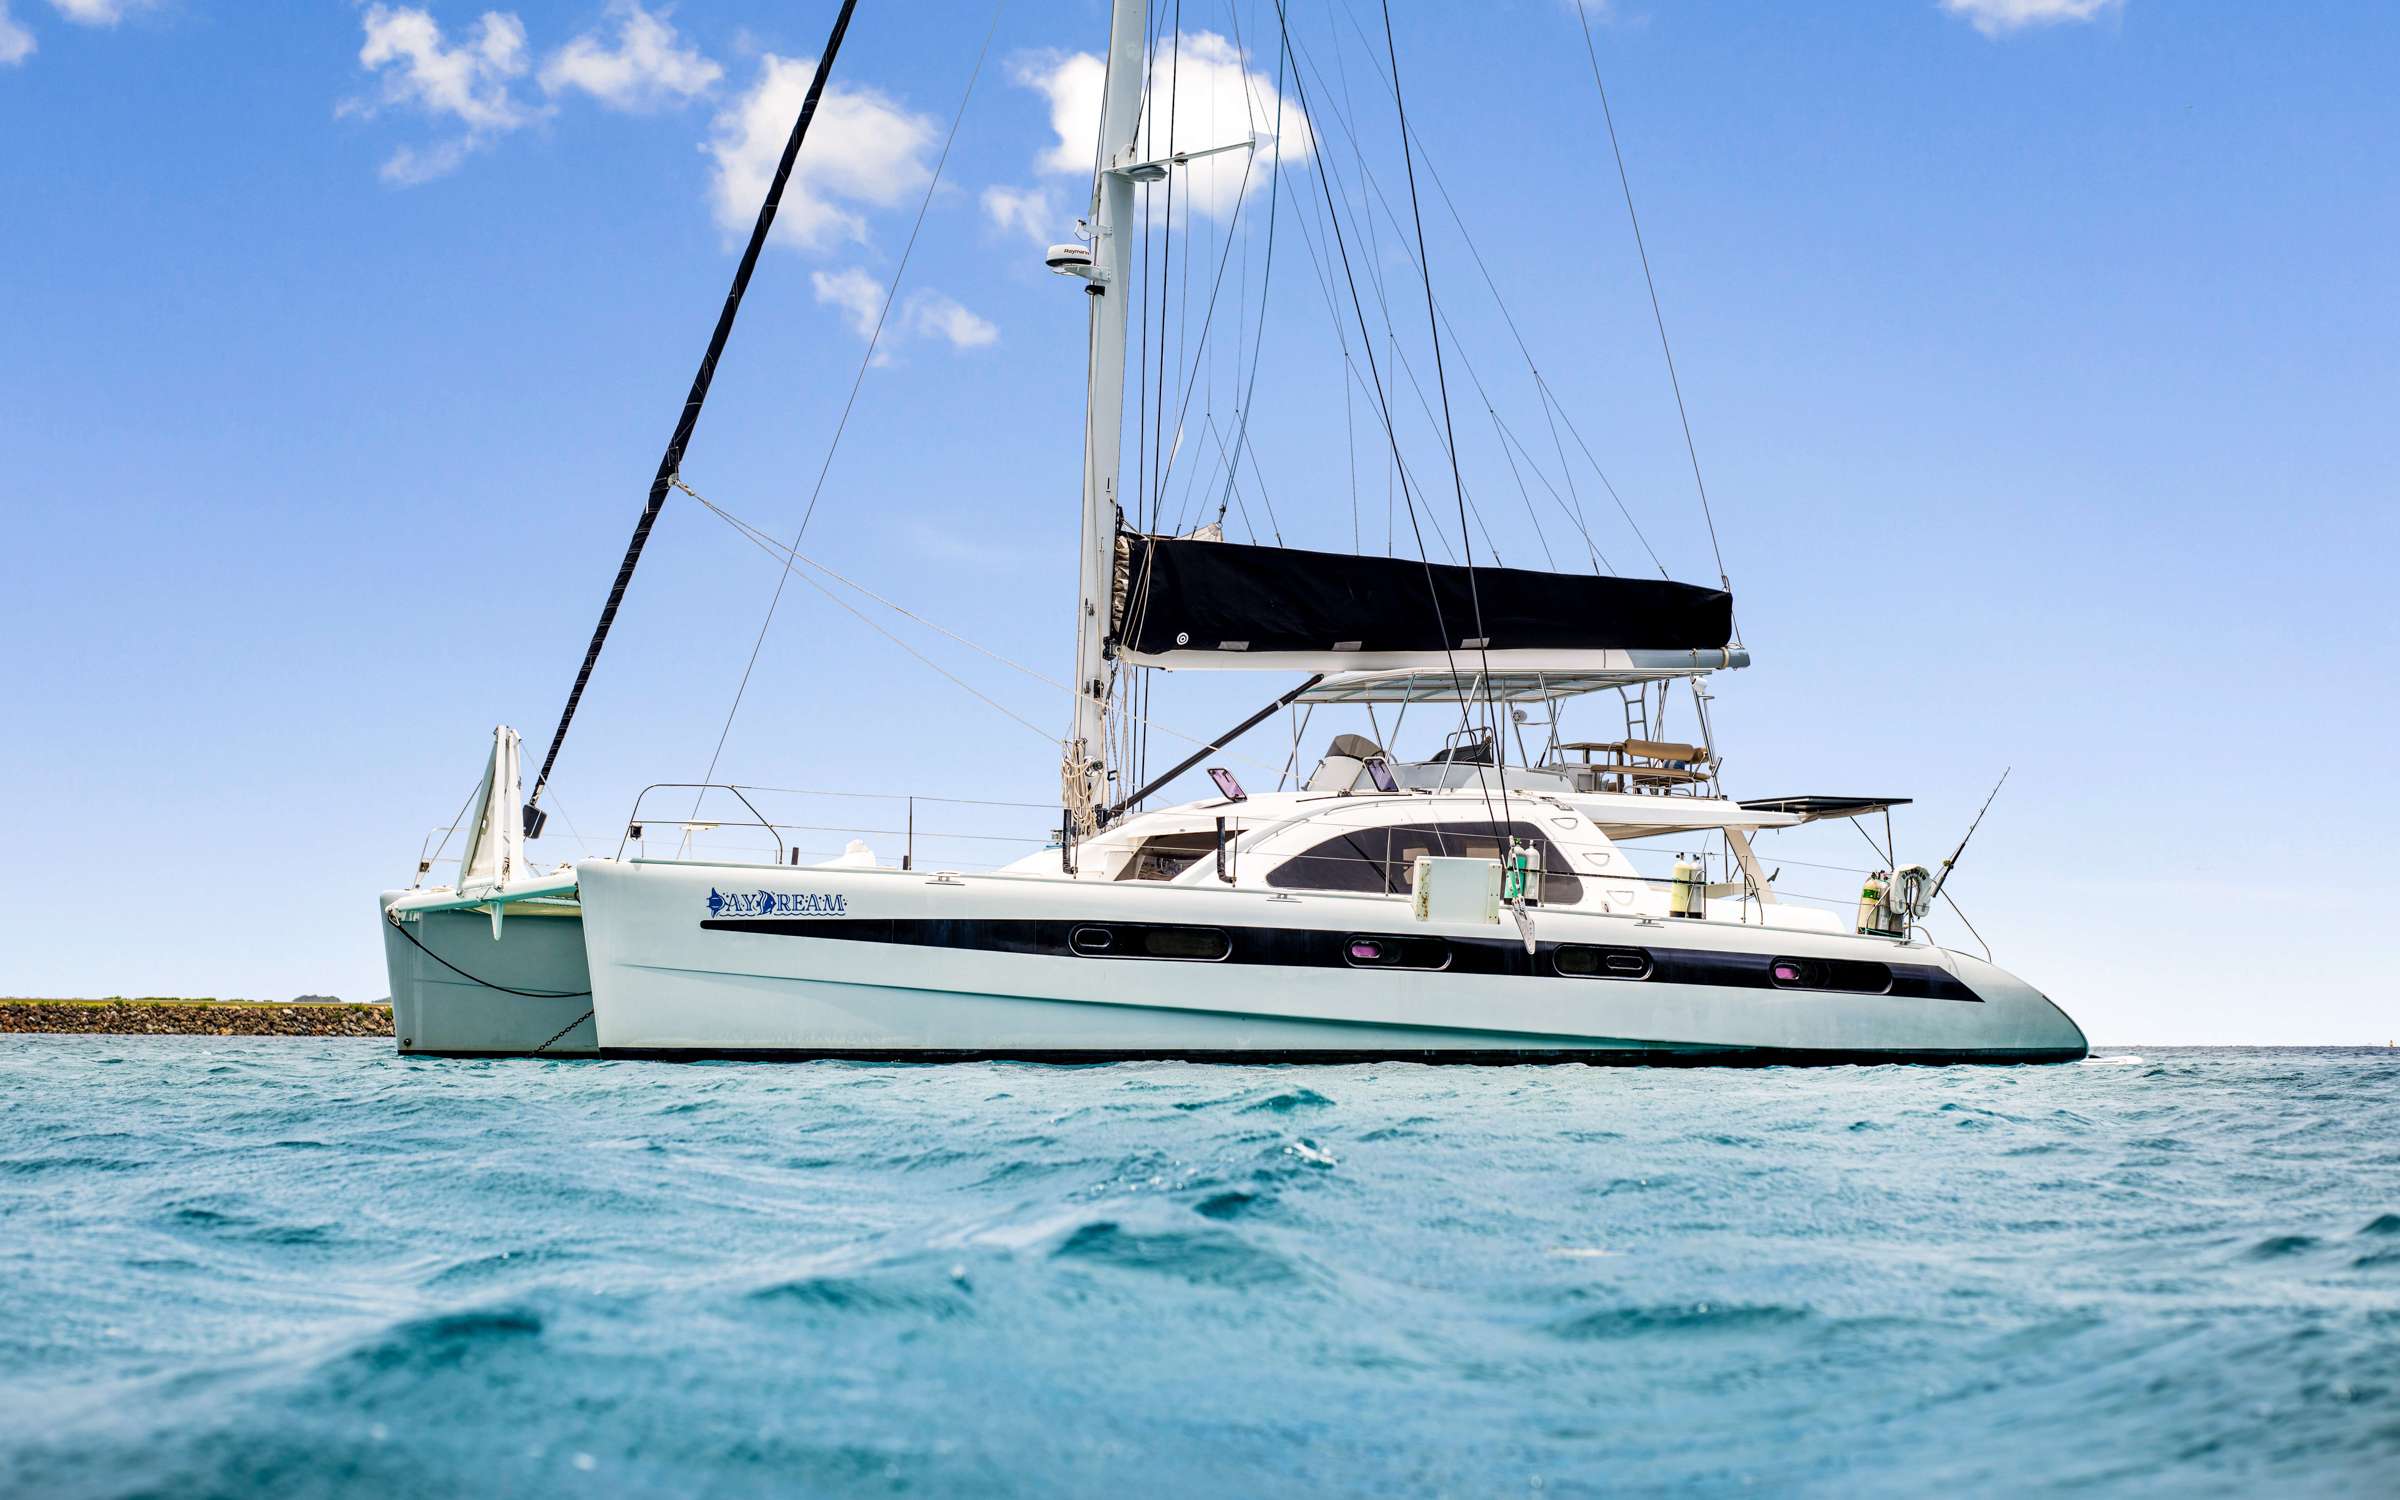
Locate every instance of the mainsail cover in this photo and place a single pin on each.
(1183, 602)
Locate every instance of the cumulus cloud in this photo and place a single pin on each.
(16, 43)
(925, 314)
(1211, 97)
(96, 12)
(469, 83)
(2000, 17)
(865, 150)
(1022, 210)
(858, 297)
(647, 68)
(931, 314)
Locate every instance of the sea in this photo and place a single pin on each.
(294, 1268)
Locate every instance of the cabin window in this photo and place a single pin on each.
(1380, 951)
(1843, 975)
(1587, 961)
(1168, 855)
(1150, 940)
(1382, 861)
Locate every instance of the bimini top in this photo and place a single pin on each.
(1181, 602)
(1812, 808)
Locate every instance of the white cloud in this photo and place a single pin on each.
(858, 296)
(1071, 81)
(1026, 210)
(1999, 17)
(16, 43)
(864, 148)
(934, 315)
(96, 12)
(470, 83)
(645, 70)
(1208, 98)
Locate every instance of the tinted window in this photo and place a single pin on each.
(1584, 961)
(1848, 975)
(1378, 951)
(1150, 940)
(1382, 861)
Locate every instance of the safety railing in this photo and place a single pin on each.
(726, 822)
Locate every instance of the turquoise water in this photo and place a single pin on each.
(296, 1267)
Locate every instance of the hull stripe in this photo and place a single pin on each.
(1305, 948)
(1642, 1057)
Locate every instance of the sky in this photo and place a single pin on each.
(2039, 356)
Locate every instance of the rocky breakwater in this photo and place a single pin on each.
(161, 1017)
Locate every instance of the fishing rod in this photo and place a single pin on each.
(1952, 862)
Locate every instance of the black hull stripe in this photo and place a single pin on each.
(1303, 948)
(1724, 1057)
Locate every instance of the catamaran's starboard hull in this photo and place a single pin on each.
(457, 991)
(691, 961)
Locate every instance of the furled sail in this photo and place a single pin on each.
(1190, 603)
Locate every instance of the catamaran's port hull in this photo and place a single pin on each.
(457, 991)
(693, 961)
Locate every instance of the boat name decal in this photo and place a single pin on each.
(776, 904)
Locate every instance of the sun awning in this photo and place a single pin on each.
(1810, 809)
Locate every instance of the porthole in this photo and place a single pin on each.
(1376, 951)
(1848, 976)
(1589, 961)
(1151, 940)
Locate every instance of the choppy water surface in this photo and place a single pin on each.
(309, 1267)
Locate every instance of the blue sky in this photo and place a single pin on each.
(2040, 355)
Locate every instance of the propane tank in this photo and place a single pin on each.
(1874, 908)
(1687, 892)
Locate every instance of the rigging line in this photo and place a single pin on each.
(774, 548)
(672, 460)
(955, 680)
(1391, 434)
(858, 379)
(788, 557)
(1166, 249)
(1574, 515)
(1522, 493)
(1399, 356)
(1266, 275)
(1208, 317)
(1433, 324)
(1491, 284)
(1626, 182)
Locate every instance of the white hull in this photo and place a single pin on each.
(868, 962)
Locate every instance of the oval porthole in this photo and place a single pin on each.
(1092, 940)
(1366, 951)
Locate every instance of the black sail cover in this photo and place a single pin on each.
(1180, 599)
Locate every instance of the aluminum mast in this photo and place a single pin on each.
(1084, 767)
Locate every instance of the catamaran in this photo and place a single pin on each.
(1475, 902)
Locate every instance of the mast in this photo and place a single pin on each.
(671, 462)
(1084, 769)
